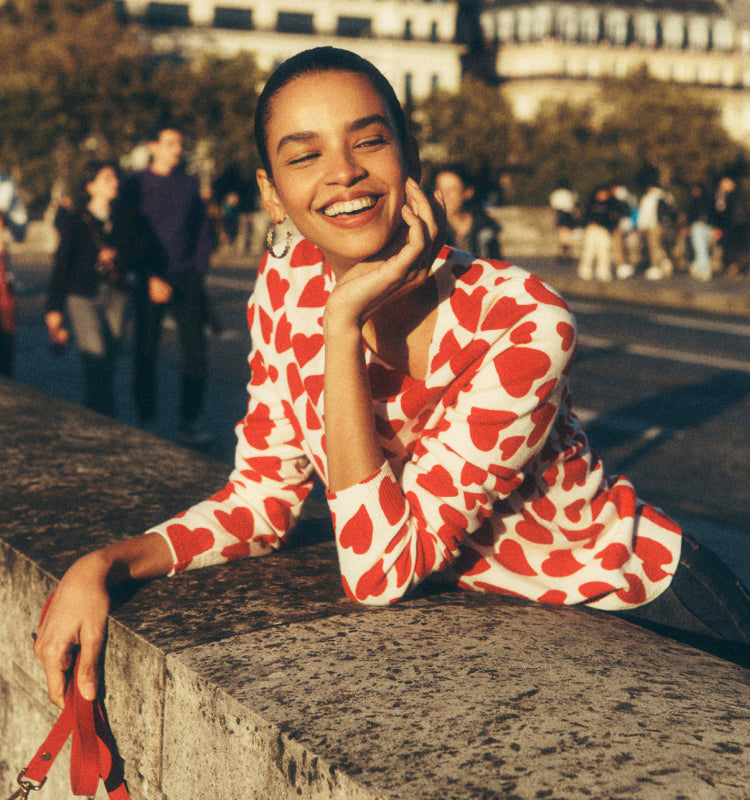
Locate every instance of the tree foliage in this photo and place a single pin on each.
(78, 84)
(474, 126)
(635, 122)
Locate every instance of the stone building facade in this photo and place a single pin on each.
(411, 41)
(543, 49)
(558, 50)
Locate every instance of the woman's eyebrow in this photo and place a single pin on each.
(301, 136)
(373, 119)
(308, 136)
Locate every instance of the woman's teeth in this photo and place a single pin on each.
(349, 206)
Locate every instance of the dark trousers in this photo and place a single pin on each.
(7, 344)
(705, 605)
(188, 307)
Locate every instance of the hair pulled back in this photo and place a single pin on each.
(324, 59)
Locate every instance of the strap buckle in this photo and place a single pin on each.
(26, 786)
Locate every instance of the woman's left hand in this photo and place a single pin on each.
(403, 266)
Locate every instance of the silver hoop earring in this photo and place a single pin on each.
(269, 242)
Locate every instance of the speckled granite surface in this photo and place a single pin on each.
(260, 680)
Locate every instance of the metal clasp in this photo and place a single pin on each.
(26, 787)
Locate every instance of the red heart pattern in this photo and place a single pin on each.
(277, 288)
(484, 467)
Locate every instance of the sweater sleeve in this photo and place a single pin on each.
(272, 476)
(62, 266)
(498, 413)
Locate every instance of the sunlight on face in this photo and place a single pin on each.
(166, 152)
(338, 169)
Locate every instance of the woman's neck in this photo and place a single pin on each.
(400, 332)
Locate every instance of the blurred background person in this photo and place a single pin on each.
(564, 202)
(230, 214)
(600, 218)
(171, 277)
(13, 220)
(701, 233)
(470, 228)
(622, 256)
(89, 280)
(654, 214)
(732, 220)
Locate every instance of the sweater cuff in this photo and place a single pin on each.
(381, 489)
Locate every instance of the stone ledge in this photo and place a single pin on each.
(260, 680)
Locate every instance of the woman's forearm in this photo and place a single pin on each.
(77, 612)
(352, 447)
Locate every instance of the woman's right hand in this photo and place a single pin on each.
(75, 622)
(76, 619)
(403, 266)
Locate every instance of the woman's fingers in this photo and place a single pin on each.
(88, 662)
(74, 624)
(56, 658)
(403, 265)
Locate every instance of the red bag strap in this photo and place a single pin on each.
(93, 750)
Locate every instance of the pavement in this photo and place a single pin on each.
(226, 399)
(721, 295)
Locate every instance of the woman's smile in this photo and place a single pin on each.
(338, 169)
(350, 208)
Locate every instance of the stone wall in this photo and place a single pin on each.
(259, 679)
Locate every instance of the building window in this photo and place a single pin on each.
(235, 19)
(169, 15)
(408, 35)
(434, 32)
(354, 27)
(288, 22)
(435, 82)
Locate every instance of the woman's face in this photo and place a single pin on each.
(338, 169)
(104, 186)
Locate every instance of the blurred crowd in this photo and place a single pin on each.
(144, 243)
(616, 234)
(129, 247)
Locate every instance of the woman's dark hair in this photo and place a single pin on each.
(324, 59)
(88, 174)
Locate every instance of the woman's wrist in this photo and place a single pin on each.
(339, 326)
(140, 558)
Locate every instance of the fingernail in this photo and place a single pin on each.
(88, 690)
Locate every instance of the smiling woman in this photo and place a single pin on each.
(427, 388)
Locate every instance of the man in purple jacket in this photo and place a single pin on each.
(170, 201)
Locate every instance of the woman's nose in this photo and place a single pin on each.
(345, 169)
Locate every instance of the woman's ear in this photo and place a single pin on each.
(413, 160)
(269, 197)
